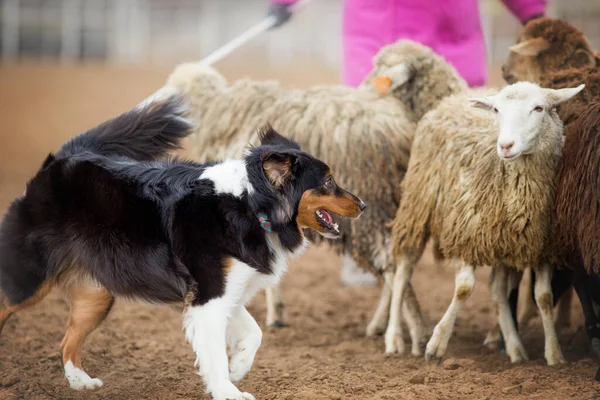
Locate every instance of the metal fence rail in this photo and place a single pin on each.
(168, 31)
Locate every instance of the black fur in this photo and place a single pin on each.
(148, 230)
(142, 134)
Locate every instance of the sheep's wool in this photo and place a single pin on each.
(480, 209)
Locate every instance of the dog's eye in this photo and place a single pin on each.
(538, 109)
(329, 183)
(495, 110)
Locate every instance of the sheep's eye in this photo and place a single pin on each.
(329, 183)
(495, 110)
(538, 109)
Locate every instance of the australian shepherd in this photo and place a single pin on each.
(103, 218)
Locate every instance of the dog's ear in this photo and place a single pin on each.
(278, 167)
(269, 136)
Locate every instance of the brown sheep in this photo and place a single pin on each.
(545, 47)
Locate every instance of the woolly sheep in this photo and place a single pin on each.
(484, 188)
(577, 222)
(364, 135)
(554, 54)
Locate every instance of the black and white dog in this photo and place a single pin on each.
(103, 219)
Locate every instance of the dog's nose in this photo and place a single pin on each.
(362, 206)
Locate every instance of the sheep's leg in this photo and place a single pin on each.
(394, 343)
(464, 283)
(493, 340)
(513, 345)
(275, 307)
(543, 297)
(414, 319)
(562, 290)
(592, 322)
(379, 322)
(529, 310)
(563, 312)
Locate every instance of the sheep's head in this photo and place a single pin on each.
(414, 74)
(525, 113)
(545, 46)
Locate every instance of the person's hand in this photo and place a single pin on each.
(281, 12)
(532, 18)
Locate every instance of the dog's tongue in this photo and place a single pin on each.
(325, 215)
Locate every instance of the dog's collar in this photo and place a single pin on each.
(264, 222)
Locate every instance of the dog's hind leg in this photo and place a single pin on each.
(89, 306)
(7, 309)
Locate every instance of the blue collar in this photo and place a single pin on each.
(264, 222)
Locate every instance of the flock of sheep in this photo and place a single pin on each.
(488, 175)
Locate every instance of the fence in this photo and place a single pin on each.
(163, 32)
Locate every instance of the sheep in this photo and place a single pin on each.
(577, 221)
(485, 191)
(546, 46)
(553, 53)
(365, 134)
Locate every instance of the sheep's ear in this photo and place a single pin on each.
(531, 47)
(278, 167)
(557, 96)
(394, 77)
(486, 103)
(269, 136)
(582, 58)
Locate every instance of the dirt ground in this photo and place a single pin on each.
(140, 352)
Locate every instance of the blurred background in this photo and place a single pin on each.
(69, 64)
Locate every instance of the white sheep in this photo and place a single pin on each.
(483, 187)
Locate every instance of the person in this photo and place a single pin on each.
(451, 28)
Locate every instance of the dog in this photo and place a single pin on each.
(105, 217)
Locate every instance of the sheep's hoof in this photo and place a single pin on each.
(517, 353)
(375, 329)
(493, 341)
(429, 357)
(554, 355)
(437, 345)
(277, 324)
(394, 344)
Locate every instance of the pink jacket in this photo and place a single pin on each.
(450, 27)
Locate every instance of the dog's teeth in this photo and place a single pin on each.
(336, 226)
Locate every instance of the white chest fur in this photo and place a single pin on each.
(279, 265)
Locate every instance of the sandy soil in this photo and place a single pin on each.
(139, 351)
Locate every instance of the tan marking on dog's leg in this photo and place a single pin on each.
(464, 284)
(89, 307)
(275, 307)
(7, 309)
(543, 297)
(512, 341)
(380, 318)
(394, 342)
(414, 319)
(563, 313)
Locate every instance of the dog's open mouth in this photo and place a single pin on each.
(326, 221)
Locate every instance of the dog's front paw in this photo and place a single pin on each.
(227, 391)
(79, 380)
(239, 365)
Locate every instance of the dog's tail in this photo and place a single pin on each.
(147, 132)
